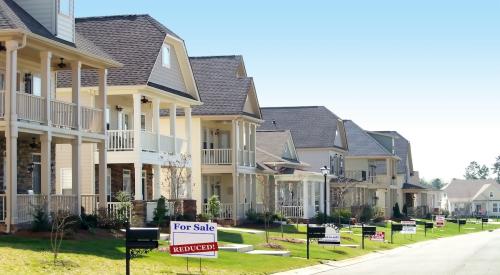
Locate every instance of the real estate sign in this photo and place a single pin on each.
(332, 237)
(440, 221)
(409, 227)
(193, 239)
(378, 237)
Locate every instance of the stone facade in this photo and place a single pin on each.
(117, 178)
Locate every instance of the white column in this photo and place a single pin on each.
(156, 122)
(276, 196)
(189, 126)
(321, 198)
(138, 181)
(45, 58)
(236, 193)
(11, 131)
(101, 103)
(241, 151)
(328, 201)
(254, 144)
(76, 70)
(76, 149)
(137, 124)
(156, 182)
(173, 125)
(305, 199)
(46, 161)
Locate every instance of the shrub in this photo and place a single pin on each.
(366, 214)
(341, 216)
(214, 207)
(203, 217)
(251, 215)
(405, 210)
(40, 220)
(397, 213)
(278, 217)
(322, 218)
(89, 221)
(160, 212)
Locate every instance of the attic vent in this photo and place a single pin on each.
(275, 124)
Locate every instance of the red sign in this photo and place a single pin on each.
(378, 237)
(193, 248)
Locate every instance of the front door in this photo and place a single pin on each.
(36, 174)
(478, 208)
(144, 185)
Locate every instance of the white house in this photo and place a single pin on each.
(472, 197)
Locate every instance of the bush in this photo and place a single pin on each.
(40, 220)
(322, 218)
(106, 221)
(160, 212)
(89, 221)
(405, 210)
(251, 215)
(397, 211)
(278, 217)
(214, 207)
(342, 217)
(203, 217)
(366, 214)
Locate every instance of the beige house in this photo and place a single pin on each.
(38, 42)
(472, 198)
(223, 135)
(156, 75)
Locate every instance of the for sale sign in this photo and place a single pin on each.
(332, 237)
(193, 239)
(378, 237)
(409, 227)
(440, 221)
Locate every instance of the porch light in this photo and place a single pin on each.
(61, 65)
(119, 108)
(144, 100)
(325, 171)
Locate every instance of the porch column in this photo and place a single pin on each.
(76, 70)
(328, 200)
(253, 191)
(76, 148)
(236, 193)
(45, 58)
(11, 131)
(189, 126)
(137, 124)
(254, 143)
(103, 146)
(305, 199)
(322, 199)
(156, 122)
(249, 143)
(103, 170)
(276, 196)
(241, 149)
(173, 125)
(138, 181)
(156, 182)
(46, 173)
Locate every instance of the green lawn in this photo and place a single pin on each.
(21, 255)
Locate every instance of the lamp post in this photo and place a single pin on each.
(325, 171)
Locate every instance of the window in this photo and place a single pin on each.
(491, 194)
(127, 181)
(495, 207)
(143, 122)
(2, 80)
(107, 118)
(66, 181)
(108, 184)
(165, 53)
(65, 7)
(37, 85)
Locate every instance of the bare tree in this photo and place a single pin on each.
(340, 188)
(177, 175)
(266, 201)
(60, 222)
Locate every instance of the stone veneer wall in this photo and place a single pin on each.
(117, 178)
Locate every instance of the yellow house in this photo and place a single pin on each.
(223, 135)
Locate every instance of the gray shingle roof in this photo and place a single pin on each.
(133, 40)
(221, 90)
(401, 149)
(361, 143)
(311, 126)
(274, 142)
(465, 190)
(12, 16)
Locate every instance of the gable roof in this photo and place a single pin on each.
(466, 190)
(222, 91)
(12, 16)
(311, 126)
(275, 142)
(361, 143)
(134, 40)
(401, 149)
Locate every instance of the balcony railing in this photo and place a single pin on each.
(91, 119)
(31, 108)
(123, 140)
(149, 142)
(63, 114)
(120, 140)
(216, 156)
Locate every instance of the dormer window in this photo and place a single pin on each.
(65, 7)
(165, 53)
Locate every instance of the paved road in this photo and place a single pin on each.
(467, 254)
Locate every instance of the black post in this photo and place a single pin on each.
(459, 225)
(425, 226)
(324, 197)
(392, 233)
(482, 224)
(307, 233)
(127, 250)
(362, 236)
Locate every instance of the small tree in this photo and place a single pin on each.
(437, 183)
(177, 175)
(405, 210)
(397, 211)
(496, 169)
(266, 200)
(475, 171)
(124, 205)
(40, 218)
(213, 207)
(60, 222)
(160, 211)
(339, 192)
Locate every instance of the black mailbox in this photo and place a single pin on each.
(145, 238)
(429, 225)
(462, 222)
(316, 232)
(397, 227)
(485, 220)
(369, 230)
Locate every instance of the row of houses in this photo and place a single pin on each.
(93, 106)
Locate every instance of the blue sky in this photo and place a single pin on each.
(429, 69)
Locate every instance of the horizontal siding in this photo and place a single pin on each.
(65, 27)
(170, 77)
(44, 11)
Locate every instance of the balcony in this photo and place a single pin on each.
(216, 156)
(32, 108)
(123, 140)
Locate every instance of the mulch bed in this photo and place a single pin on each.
(273, 246)
(78, 236)
(288, 240)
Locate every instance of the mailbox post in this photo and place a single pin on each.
(483, 221)
(460, 223)
(314, 232)
(139, 238)
(395, 227)
(366, 231)
(428, 225)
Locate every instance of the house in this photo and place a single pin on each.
(472, 197)
(224, 136)
(284, 182)
(156, 75)
(318, 134)
(38, 41)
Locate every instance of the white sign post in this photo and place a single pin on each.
(409, 227)
(332, 237)
(193, 239)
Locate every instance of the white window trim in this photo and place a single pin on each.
(71, 8)
(166, 65)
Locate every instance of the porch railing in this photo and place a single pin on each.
(3, 207)
(66, 203)
(26, 206)
(31, 107)
(120, 140)
(291, 211)
(91, 119)
(89, 203)
(62, 114)
(216, 156)
(226, 210)
(149, 142)
(119, 210)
